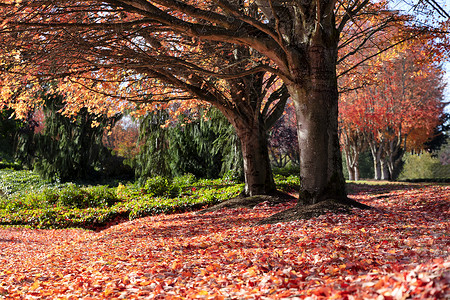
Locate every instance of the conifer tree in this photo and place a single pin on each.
(206, 147)
(68, 148)
(153, 157)
(9, 127)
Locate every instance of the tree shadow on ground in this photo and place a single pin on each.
(272, 199)
(378, 187)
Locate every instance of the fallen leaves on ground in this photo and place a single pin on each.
(399, 250)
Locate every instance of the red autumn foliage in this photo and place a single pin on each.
(398, 250)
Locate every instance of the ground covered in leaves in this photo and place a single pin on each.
(399, 250)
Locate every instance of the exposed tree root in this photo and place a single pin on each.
(250, 202)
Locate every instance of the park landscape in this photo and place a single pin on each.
(224, 150)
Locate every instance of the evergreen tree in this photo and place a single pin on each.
(25, 147)
(206, 147)
(9, 128)
(227, 143)
(68, 149)
(153, 157)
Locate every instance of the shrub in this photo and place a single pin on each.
(423, 166)
(70, 205)
(12, 181)
(101, 195)
(185, 180)
(161, 186)
(287, 171)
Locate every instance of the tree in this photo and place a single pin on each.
(283, 140)
(68, 148)
(296, 41)
(399, 113)
(9, 128)
(122, 138)
(198, 143)
(153, 158)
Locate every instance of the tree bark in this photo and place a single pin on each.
(356, 171)
(352, 158)
(385, 175)
(316, 104)
(351, 172)
(393, 155)
(257, 170)
(376, 156)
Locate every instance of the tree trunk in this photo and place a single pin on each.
(350, 169)
(352, 158)
(316, 104)
(385, 170)
(376, 156)
(394, 154)
(356, 171)
(257, 169)
(351, 173)
(377, 168)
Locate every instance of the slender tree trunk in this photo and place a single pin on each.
(257, 169)
(385, 170)
(356, 171)
(394, 154)
(376, 156)
(351, 173)
(350, 169)
(352, 157)
(316, 104)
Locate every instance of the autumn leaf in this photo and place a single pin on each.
(404, 252)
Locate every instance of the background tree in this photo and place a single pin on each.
(25, 147)
(283, 140)
(399, 113)
(122, 138)
(9, 128)
(153, 158)
(68, 148)
(199, 146)
(200, 143)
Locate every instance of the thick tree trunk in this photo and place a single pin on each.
(257, 170)
(316, 104)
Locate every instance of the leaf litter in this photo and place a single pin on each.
(400, 250)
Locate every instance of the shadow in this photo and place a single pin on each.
(378, 187)
(187, 225)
